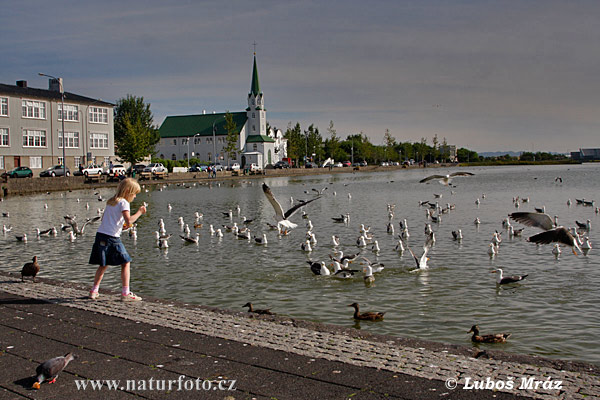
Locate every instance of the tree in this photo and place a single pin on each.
(389, 142)
(295, 141)
(231, 147)
(135, 132)
(314, 142)
(435, 148)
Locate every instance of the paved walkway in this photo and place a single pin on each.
(192, 348)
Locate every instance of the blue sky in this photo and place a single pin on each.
(487, 75)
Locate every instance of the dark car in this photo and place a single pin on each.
(55, 170)
(281, 165)
(311, 165)
(19, 172)
(197, 168)
(138, 168)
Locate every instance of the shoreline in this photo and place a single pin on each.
(429, 363)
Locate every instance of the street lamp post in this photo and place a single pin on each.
(188, 152)
(62, 99)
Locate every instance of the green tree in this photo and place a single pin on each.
(231, 146)
(435, 148)
(389, 142)
(314, 143)
(135, 132)
(295, 142)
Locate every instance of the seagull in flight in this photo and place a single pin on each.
(552, 233)
(422, 261)
(282, 218)
(446, 179)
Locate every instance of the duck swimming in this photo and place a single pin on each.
(491, 338)
(367, 316)
(251, 309)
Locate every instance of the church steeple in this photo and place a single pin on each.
(255, 85)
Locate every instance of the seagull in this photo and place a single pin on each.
(446, 179)
(335, 240)
(341, 219)
(282, 217)
(22, 238)
(190, 239)
(422, 262)
(261, 240)
(503, 280)
(587, 225)
(319, 192)
(306, 246)
(492, 250)
(399, 247)
(457, 235)
(556, 249)
(319, 268)
(551, 234)
(375, 267)
(49, 370)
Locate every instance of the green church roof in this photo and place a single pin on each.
(189, 125)
(255, 86)
(259, 139)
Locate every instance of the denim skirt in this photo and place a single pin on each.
(108, 250)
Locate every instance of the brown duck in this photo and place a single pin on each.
(30, 269)
(492, 338)
(252, 310)
(367, 316)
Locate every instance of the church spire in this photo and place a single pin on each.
(255, 86)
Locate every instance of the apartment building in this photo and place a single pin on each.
(31, 128)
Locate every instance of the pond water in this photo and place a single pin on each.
(552, 313)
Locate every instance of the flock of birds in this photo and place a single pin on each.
(339, 264)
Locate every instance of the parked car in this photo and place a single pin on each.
(338, 165)
(55, 170)
(19, 172)
(310, 165)
(155, 167)
(137, 168)
(384, 164)
(255, 168)
(363, 163)
(197, 168)
(218, 167)
(281, 165)
(347, 164)
(116, 170)
(92, 169)
(233, 167)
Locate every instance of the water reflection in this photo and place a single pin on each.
(437, 304)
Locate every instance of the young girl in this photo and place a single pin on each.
(108, 249)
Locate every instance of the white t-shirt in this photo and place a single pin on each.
(112, 220)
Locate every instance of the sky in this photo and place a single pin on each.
(485, 75)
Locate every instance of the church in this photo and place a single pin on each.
(204, 136)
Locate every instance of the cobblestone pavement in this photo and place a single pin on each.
(557, 379)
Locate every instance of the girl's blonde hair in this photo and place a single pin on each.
(126, 189)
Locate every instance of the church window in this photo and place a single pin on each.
(174, 142)
(254, 127)
(258, 101)
(252, 101)
(173, 157)
(255, 147)
(253, 115)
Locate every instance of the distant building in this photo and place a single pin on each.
(254, 145)
(31, 128)
(449, 152)
(586, 155)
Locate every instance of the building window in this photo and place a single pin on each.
(254, 147)
(72, 140)
(34, 109)
(35, 162)
(99, 141)
(77, 162)
(162, 156)
(1, 162)
(173, 157)
(4, 106)
(253, 115)
(197, 140)
(185, 155)
(4, 137)
(184, 141)
(258, 101)
(60, 161)
(174, 142)
(98, 115)
(253, 127)
(106, 160)
(34, 138)
(71, 112)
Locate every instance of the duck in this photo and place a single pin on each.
(491, 338)
(266, 311)
(30, 269)
(504, 280)
(367, 316)
(49, 369)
